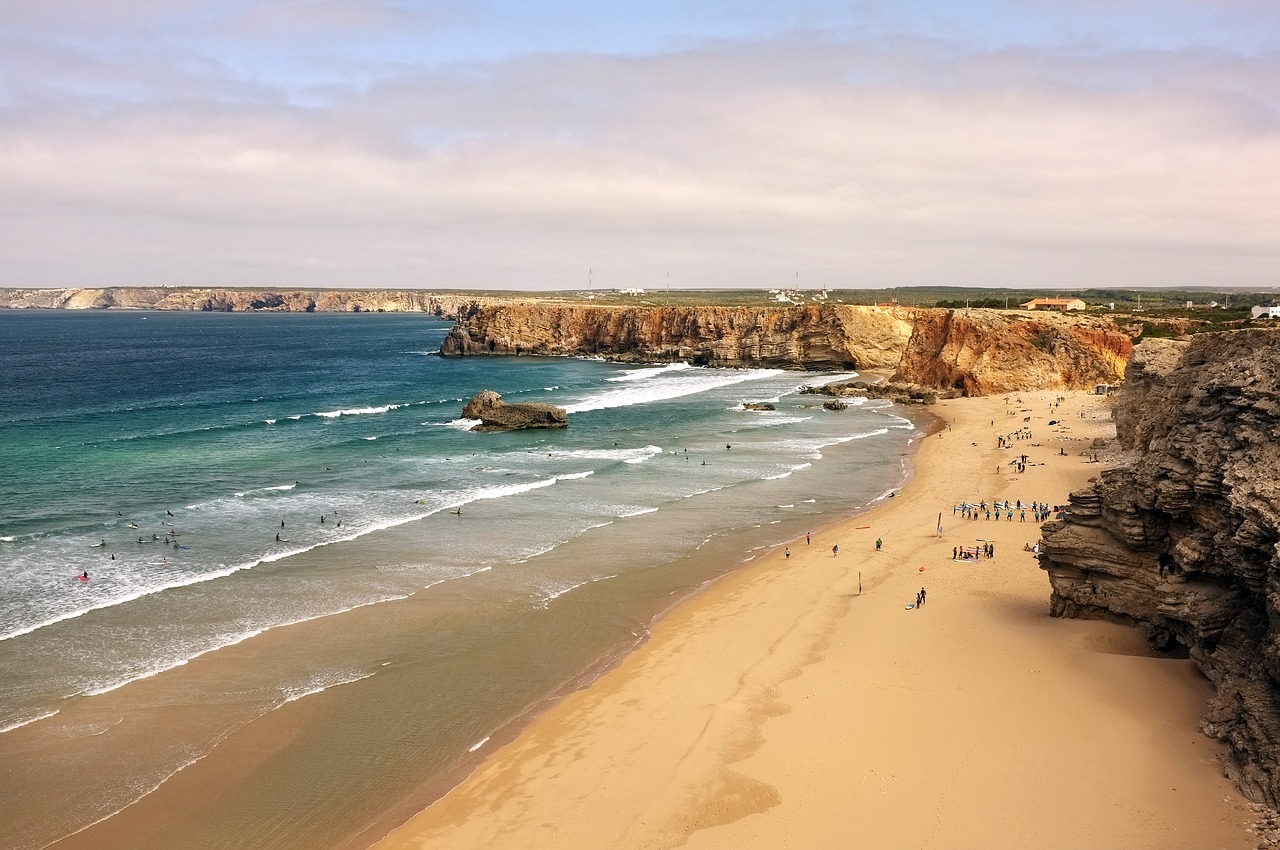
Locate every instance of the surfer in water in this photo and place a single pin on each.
(99, 544)
(277, 537)
(170, 513)
(133, 525)
(84, 576)
(457, 511)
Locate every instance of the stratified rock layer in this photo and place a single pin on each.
(496, 415)
(976, 351)
(1181, 541)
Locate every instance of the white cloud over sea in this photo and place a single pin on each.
(379, 143)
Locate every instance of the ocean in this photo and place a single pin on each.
(313, 596)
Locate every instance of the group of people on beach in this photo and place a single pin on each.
(1006, 441)
(968, 510)
(973, 553)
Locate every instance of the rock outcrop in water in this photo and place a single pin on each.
(978, 352)
(1181, 541)
(496, 415)
(447, 305)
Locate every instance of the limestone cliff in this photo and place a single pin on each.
(1182, 539)
(976, 351)
(449, 305)
(815, 337)
(984, 352)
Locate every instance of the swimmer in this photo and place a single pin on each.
(164, 562)
(277, 537)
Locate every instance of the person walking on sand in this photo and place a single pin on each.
(879, 543)
(922, 595)
(835, 550)
(806, 538)
(787, 553)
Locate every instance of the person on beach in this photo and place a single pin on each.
(879, 543)
(806, 538)
(835, 550)
(787, 553)
(922, 595)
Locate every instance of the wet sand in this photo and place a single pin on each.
(799, 703)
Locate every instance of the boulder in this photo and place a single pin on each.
(496, 415)
(758, 405)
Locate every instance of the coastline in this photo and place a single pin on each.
(797, 702)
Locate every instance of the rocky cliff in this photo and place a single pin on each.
(984, 352)
(1181, 540)
(448, 305)
(816, 337)
(976, 351)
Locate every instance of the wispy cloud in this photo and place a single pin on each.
(863, 149)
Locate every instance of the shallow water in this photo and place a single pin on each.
(363, 659)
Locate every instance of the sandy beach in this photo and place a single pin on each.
(800, 703)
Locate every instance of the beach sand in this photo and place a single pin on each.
(798, 703)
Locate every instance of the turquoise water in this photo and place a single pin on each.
(201, 452)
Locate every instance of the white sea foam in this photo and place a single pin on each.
(459, 424)
(279, 488)
(19, 724)
(637, 512)
(645, 392)
(554, 593)
(270, 421)
(370, 438)
(9, 539)
(321, 683)
(228, 641)
(359, 411)
(650, 372)
(627, 455)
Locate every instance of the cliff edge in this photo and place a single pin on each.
(196, 299)
(978, 352)
(1181, 540)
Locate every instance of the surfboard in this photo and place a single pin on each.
(97, 545)
(909, 607)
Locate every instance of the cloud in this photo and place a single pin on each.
(855, 162)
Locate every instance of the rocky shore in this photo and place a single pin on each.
(1181, 540)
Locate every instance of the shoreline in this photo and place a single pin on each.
(732, 723)
(440, 786)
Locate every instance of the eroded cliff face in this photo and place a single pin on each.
(1181, 541)
(984, 352)
(977, 351)
(245, 301)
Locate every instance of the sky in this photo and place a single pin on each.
(569, 144)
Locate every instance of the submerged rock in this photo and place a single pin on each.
(496, 415)
(758, 405)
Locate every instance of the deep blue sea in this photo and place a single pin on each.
(264, 507)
